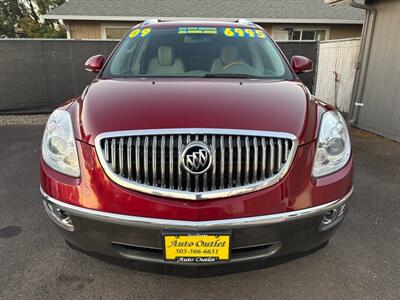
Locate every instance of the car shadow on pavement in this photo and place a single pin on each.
(201, 271)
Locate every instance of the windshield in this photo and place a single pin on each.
(197, 52)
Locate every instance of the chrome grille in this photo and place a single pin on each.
(150, 161)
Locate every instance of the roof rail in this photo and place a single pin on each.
(151, 21)
(246, 22)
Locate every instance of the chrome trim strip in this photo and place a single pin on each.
(187, 195)
(194, 131)
(193, 225)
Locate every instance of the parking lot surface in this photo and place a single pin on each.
(362, 261)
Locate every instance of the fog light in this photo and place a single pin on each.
(333, 217)
(330, 216)
(63, 216)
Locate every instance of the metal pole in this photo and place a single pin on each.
(363, 56)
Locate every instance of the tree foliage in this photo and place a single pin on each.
(22, 19)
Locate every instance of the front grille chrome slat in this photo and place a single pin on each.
(214, 163)
(129, 158)
(187, 174)
(179, 163)
(205, 177)
(146, 160)
(264, 158)
(154, 161)
(137, 159)
(107, 150)
(255, 159)
(163, 161)
(286, 150)
(279, 164)
(239, 161)
(247, 168)
(171, 161)
(222, 163)
(230, 170)
(271, 157)
(151, 161)
(121, 158)
(114, 155)
(196, 178)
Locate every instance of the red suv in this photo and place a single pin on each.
(196, 144)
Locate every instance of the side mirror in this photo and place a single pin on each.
(95, 63)
(301, 64)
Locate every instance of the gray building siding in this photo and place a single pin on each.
(381, 95)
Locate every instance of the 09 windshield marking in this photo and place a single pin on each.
(140, 33)
(202, 52)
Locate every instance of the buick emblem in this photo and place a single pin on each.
(196, 158)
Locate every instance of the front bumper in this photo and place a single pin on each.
(140, 238)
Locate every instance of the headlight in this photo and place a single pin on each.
(58, 145)
(333, 149)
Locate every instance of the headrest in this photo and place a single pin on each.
(166, 56)
(229, 54)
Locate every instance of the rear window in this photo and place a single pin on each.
(197, 52)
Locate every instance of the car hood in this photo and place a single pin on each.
(132, 104)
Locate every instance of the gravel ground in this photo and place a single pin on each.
(362, 261)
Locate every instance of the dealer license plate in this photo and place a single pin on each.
(196, 247)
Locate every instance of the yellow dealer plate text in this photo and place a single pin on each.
(197, 247)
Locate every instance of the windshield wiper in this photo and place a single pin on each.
(223, 75)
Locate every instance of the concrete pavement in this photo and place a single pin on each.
(362, 261)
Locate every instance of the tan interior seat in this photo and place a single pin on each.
(165, 63)
(229, 54)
